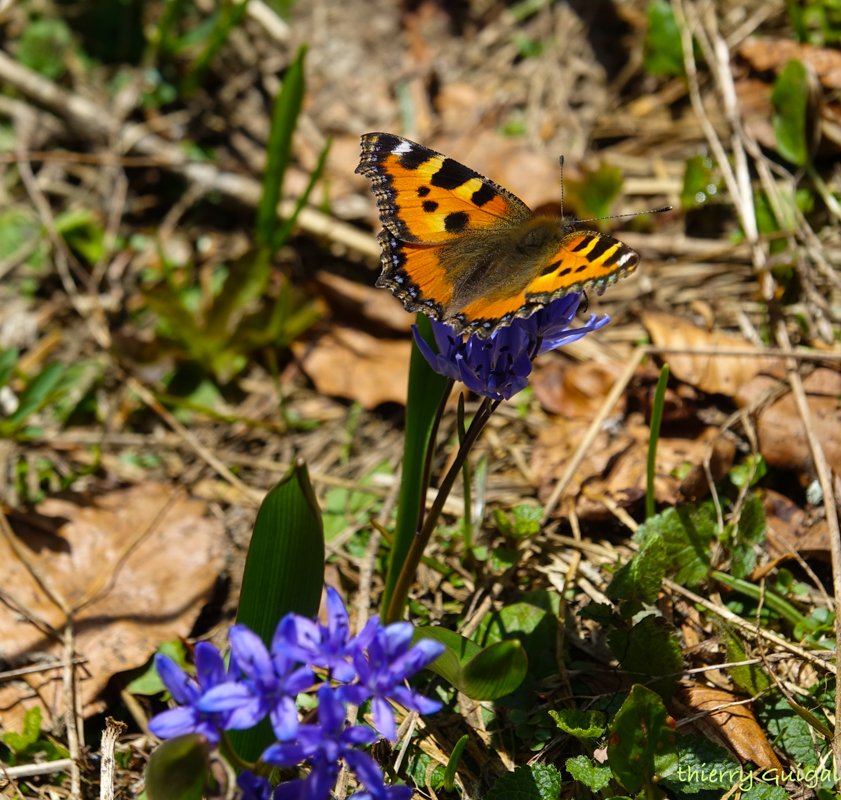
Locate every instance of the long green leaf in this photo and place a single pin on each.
(282, 235)
(284, 572)
(8, 359)
(482, 674)
(37, 394)
(791, 99)
(287, 106)
(452, 764)
(654, 437)
(426, 388)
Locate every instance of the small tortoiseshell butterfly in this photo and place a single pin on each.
(467, 252)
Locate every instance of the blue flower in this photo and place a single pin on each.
(497, 367)
(270, 686)
(329, 646)
(550, 324)
(188, 692)
(324, 745)
(388, 662)
(253, 787)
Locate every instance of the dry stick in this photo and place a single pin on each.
(595, 427)
(31, 770)
(113, 731)
(193, 441)
(73, 722)
(732, 618)
(825, 478)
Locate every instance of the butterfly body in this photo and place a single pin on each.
(463, 250)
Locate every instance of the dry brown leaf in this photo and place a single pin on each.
(789, 528)
(155, 594)
(575, 391)
(359, 304)
(735, 727)
(714, 374)
(615, 467)
(782, 437)
(352, 364)
(695, 486)
(765, 54)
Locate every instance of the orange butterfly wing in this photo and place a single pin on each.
(444, 224)
(425, 197)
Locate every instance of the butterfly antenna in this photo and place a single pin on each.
(633, 214)
(561, 159)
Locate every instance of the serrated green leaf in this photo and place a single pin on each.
(641, 577)
(598, 612)
(662, 48)
(418, 769)
(649, 649)
(503, 522)
(284, 571)
(641, 749)
(534, 782)
(791, 98)
(792, 733)
(740, 473)
(580, 724)
(764, 791)
(178, 769)
(703, 765)
(594, 777)
(686, 533)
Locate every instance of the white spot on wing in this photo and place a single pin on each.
(402, 149)
(625, 259)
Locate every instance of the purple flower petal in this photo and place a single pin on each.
(284, 718)
(251, 654)
(182, 688)
(210, 668)
(384, 718)
(174, 722)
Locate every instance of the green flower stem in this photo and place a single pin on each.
(430, 450)
(413, 558)
(227, 750)
(770, 599)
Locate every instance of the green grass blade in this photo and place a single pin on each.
(8, 359)
(282, 235)
(452, 764)
(287, 106)
(656, 419)
(284, 572)
(230, 15)
(426, 388)
(37, 394)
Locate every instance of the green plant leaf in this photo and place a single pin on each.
(749, 532)
(284, 572)
(699, 184)
(686, 532)
(535, 782)
(426, 388)
(39, 392)
(765, 791)
(482, 674)
(594, 196)
(791, 99)
(740, 473)
(654, 438)
(750, 678)
(582, 725)
(285, 113)
(662, 49)
(641, 749)
(534, 627)
(703, 765)
(452, 764)
(178, 769)
(641, 577)
(594, 777)
(792, 733)
(19, 743)
(45, 45)
(148, 682)
(526, 519)
(649, 649)
(8, 359)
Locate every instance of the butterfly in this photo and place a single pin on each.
(465, 251)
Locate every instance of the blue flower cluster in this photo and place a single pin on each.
(500, 366)
(372, 666)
